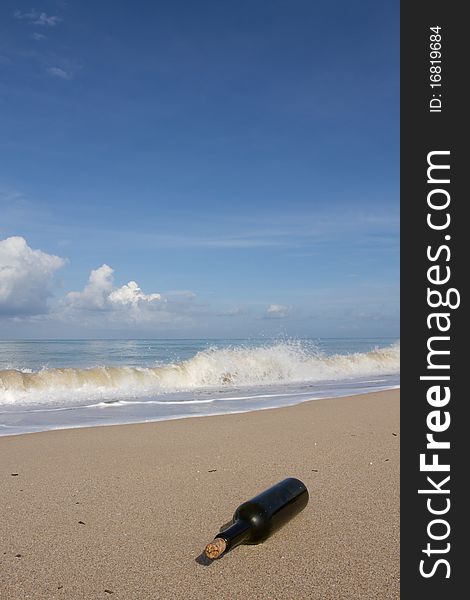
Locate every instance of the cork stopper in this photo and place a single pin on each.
(215, 548)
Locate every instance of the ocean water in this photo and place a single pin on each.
(55, 384)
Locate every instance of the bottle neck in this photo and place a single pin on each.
(235, 534)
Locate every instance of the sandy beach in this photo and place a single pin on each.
(125, 511)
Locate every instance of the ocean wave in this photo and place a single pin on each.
(282, 363)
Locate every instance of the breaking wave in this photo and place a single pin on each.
(282, 363)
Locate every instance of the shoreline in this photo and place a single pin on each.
(163, 419)
(129, 508)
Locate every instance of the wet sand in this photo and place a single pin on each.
(124, 512)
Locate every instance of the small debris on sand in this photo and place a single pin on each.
(81, 523)
(14, 474)
(212, 471)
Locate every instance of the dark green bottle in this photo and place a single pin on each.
(258, 518)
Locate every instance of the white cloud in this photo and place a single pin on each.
(26, 277)
(38, 36)
(96, 293)
(26, 280)
(131, 294)
(38, 18)
(277, 311)
(100, 294)
(60, 73)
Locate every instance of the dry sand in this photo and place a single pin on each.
(124, 512)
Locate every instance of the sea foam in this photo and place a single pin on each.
(281, 363)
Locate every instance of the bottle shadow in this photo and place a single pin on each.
(203, 560)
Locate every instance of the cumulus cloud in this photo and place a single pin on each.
(38, 36)
(26, 277)
(131, 294)
(37, 18)
(96, 292)
(26, 285)
(101, 294)
(277, 311)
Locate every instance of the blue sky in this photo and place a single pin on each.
(240, 160)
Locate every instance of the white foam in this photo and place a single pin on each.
(284, 363)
